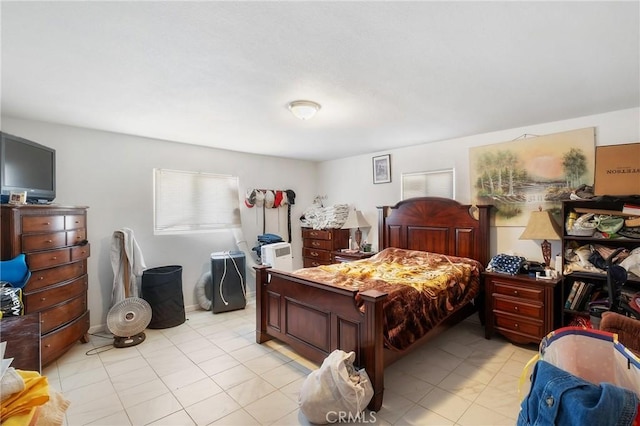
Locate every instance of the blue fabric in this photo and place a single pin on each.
(506, 264)
(559, 398)
(15, 271)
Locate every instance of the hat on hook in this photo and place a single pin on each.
(278, 200)
(250, 199)
(269, 199)
(259, 198)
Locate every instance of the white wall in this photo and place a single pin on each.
(112, 174)
(350, 180)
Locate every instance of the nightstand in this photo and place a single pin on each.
(341, 256)
(522, 309)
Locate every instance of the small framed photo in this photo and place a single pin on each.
(19, 197)
(382, 169)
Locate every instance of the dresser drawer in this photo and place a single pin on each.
(51, 296)
(520, 325)
(47, 277)
(76, 237)
(80, 252)
(63, 313)
(531, 310)
(57, 342)
(33, 224)
(75, 222)
(521, 292)
(317, 234)
(316, 254)
(47, 259)
(36, 242)
(318, 244)
(310, 263)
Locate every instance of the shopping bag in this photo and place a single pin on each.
(335, 389)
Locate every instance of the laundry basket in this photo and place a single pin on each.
(162, 288)
(594, 359)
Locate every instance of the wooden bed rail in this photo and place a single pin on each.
(290, 309)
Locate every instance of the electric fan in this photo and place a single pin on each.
(127, 320)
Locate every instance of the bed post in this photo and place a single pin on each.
(373, 344)
(262, 274)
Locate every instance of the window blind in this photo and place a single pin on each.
(187, 201)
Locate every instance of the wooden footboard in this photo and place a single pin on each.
(316, 319)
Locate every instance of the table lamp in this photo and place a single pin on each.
(542, 226)
(356, 220)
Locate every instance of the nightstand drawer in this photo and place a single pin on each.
(520, 325)
(520, 292)
(518, 307)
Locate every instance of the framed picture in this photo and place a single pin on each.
(382, 169)
(18, 197)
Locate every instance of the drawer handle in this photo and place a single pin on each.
(47, 346)
(315, 244)
(516, 308)
(47, 223)
(49, 241)
(515, 292)
(41, 278)
(42, 299)
(315, 263)
(54, 258)
(315, 254)
(41, 321)
(314, 234)
(516, 325)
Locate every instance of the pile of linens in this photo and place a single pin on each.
(27, 399)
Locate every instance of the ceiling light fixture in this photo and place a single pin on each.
(304, 110)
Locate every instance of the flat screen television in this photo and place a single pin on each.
(27, 166)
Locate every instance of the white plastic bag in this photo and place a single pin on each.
(335, 389)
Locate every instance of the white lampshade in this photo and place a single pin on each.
(355, 220)
(304, 110)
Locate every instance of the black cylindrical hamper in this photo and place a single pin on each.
(162, 288)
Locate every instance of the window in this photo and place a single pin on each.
(194, 202)
(439, 183)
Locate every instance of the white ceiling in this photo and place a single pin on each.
(387, 74)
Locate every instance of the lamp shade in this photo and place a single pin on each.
(541, 226)
(355, 220)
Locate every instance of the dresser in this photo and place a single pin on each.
(521, 308)
(318, 245)
(54, 240)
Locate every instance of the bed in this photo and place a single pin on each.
(315, 318)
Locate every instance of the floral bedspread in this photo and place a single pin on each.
(423, 288)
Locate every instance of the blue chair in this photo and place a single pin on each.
(15, 271)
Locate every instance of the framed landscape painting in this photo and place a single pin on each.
(523, 175)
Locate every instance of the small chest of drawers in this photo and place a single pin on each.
(318, 245)
(54, 240)
(521, 308)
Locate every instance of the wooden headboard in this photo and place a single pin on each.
(434, 224)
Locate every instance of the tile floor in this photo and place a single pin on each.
(210, 371)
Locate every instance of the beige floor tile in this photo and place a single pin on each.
(153, 409)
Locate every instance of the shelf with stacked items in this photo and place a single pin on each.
(598, 234)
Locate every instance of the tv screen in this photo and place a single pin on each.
(27, 166)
